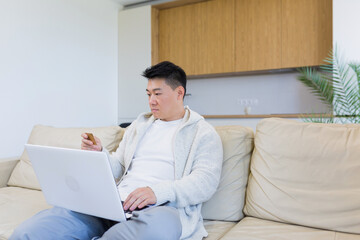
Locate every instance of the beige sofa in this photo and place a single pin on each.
(303, 181)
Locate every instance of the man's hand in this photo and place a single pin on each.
(86, 144)
(140, 198)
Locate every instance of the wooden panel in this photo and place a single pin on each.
(257, 34)
(215, 47)
(154, 36)
(198, 37)
(306, 32)
(175, 38)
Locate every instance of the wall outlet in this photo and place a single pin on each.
(248, 101)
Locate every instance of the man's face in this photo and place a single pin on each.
(164, 102)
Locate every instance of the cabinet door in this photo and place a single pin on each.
(198, 37)
(306, 32)
(257, 34)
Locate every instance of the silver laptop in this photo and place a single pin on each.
(78, 180)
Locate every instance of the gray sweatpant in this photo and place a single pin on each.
(156, 223)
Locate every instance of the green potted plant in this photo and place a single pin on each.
(337, 84)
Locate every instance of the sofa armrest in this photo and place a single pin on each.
(7, 165)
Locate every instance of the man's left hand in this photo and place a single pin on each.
(140, 198)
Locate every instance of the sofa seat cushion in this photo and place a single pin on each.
(250, 228)
(16, 205)
(306, 174)
(24, 175)
(217, 229)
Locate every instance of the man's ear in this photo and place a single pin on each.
(181, 92)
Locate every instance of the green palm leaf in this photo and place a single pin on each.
(337, 84)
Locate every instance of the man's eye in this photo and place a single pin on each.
(148, 95)
(157, 94)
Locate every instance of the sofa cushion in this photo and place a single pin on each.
(24, 175)
(306, 174)
(7, 166)
(16, 205)
(228, 201)
(217, 229)
(258, 229)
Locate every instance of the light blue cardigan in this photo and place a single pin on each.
(198, 159)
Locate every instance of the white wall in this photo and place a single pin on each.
(346, 32)
(58, 66)
(272, 93)
(134, 58)
(279, 93)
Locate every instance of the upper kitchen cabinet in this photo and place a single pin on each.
(198, 37)
(306, 32)
(227, 36)
(257, 35)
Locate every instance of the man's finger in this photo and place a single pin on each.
(88, 142)
(136, 203)
(129, 201)
(143, 204)
(133, 196)
(87, 147)
(128, 198)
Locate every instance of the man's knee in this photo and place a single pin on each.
(164, 223)
(33, 227)
(23, 232)
(55, 222)
(158, 223)
(19, 235)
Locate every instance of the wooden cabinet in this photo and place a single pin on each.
(306, 32)
(198, 37)
(257, 35)
(176, 41)
(224, 36)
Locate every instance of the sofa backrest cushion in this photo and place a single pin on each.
(24, 175)
(228, 201)
(306, 174)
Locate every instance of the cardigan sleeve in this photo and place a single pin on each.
(117, 158)
(202, 182)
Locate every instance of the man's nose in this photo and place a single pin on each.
(152, 100)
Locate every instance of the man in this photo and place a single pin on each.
(169, 158)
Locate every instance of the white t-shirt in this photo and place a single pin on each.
(153, 160)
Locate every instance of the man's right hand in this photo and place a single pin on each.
(87, 144)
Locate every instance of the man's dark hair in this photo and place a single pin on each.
(174, 75)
